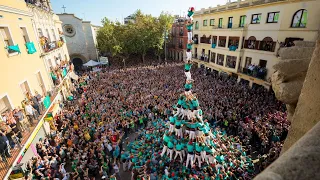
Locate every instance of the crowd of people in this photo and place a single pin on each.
(109, 105)
(17, 121)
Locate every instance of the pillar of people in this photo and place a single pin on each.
(188, 136)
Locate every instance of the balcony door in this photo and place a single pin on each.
(230, 22)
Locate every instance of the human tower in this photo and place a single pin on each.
(188, 136)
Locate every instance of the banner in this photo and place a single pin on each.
(46, 102)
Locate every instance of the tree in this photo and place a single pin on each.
(116, 39)
(144, 34)
(164, 23)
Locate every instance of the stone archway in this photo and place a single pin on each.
(177, 57)
(77, 60)
(181, 56)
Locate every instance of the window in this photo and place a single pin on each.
(6, 37)
(220, 58)
(48, 35)
(69, 30)
(40, 32)
(230, 22)
(213, 57)
(248, 61)
(4, 104)
(263, 63)
(220, 23)
(41, 83)
(300, 19)
(205, 22)
(222, 41)
(197, 25)
(211, 22)
(231, 61)
(25, 34)
(273, 17)
(256, 19)
(54, 35)
(242, 21)
(25, 89)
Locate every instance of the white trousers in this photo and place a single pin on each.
(188, 74)
(171, 128)
(124, 166)
(178, 112)
(198, 158)
(180, 155)
(179, 132)
(192, 135)
(189, 36)
(210, 159)
(189, 55)
(203, 156)
(189, 160)
(170, 153)
(164, 150)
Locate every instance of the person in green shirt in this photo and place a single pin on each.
(179, 149)
(190, 156)
(189, 49)
(198, 148)
(187, 68)
(189, 26)
(178, 128)
(166, 139)
(170, 149)
(172, 121)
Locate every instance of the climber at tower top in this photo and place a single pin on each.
(190, 13)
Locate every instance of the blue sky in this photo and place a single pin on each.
(95, 10)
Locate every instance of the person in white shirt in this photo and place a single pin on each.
(30, 112)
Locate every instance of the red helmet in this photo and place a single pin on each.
(192, 8)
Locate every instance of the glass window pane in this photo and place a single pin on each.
(296, 19)
(270, 17)
(304, 19)
(276, 17)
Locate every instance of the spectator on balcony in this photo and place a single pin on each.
(36, 104)
(30, 112)
(39, 99)
(4, 148)
(19, 117)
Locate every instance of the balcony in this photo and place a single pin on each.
(50, 46)
(205, 40)
(255, 71)
(27, 131)
(233, 43)
(222, 41)
(42, 5)
(267, 44)
(196, 39)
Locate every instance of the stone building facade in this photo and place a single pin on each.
(81, 38)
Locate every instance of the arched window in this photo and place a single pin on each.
(267, 44)
(252, 42)
(197, 25)
(300, 19)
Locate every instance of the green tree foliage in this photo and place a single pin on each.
(144, 34)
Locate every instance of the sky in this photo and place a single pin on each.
(96, 10)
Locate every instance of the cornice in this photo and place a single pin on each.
(15, 11)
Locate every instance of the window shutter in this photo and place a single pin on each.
(257, 44)
(4, 34)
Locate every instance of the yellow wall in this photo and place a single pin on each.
(19, 68)
(277, 31)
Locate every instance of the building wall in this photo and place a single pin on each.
(277, 31)
(175, 51)
(83, 44)
(18, 68)
(76, 44)
(90, 39)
